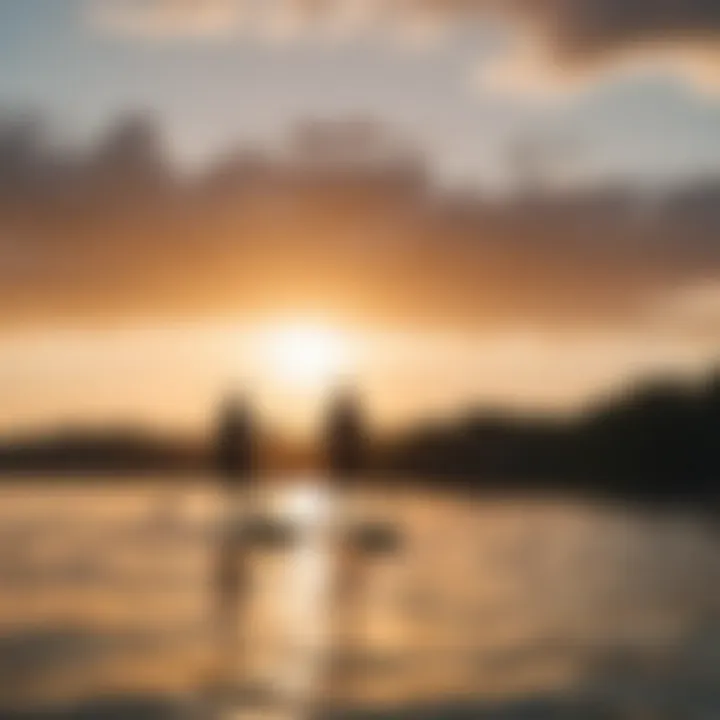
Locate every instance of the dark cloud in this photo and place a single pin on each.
(572, 40)
(586, 27)
(347, 219)
(581, 27)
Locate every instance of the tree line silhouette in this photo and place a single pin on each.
(659, 440)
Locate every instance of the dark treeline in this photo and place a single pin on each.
(137, 450)
(660, 440)
(108, 450)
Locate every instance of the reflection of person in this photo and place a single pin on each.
(234, 458)
(362, 542)
(229, 584)
(345, 438)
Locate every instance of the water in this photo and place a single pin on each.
(508, 607)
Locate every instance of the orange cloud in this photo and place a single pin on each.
(350, 221)
(166, 18)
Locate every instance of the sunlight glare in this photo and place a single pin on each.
(306, 354)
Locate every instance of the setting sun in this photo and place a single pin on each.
(306, 354)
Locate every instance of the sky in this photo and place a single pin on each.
(129, 296)
(84, 62)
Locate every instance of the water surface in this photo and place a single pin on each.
(107, 593)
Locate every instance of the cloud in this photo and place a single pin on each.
(348, 220)
(560, 45)
(264, 19)
(533, 69)
(557, 44)
(166, 18)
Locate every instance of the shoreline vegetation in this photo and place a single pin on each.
(657, 441)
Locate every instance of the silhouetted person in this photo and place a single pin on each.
(235, 443)
(345, 437)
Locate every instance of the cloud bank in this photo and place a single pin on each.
(555, 43)
(345, 219)
(166, 18)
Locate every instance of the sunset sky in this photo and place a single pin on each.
(215, 73)
(478, 202)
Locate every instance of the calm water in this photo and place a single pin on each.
(509, 607)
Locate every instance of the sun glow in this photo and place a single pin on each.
(305, 354)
